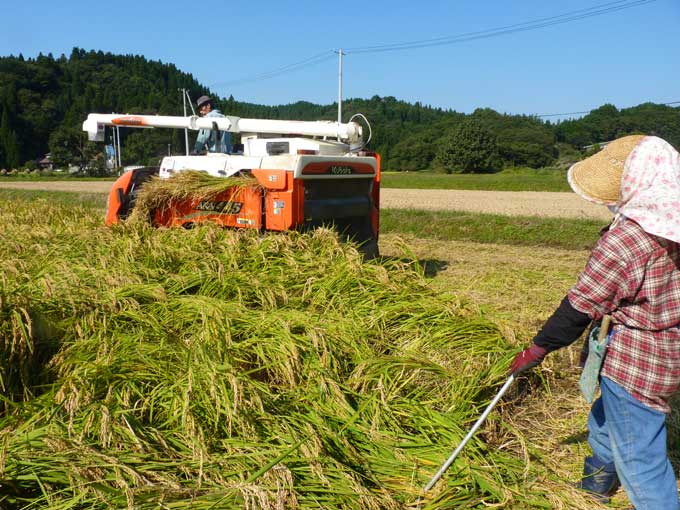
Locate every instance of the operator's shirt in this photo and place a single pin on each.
(209, 138)
(635, 277)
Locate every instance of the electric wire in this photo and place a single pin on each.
(504, 30)
(589, 111)
(436, 39)
(566, 17)
(310, 61)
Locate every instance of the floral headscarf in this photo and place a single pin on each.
(650, 188)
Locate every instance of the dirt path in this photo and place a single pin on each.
(513, 203)
(75, 186)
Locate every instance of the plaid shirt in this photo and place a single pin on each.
(635, 277)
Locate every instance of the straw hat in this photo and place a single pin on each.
(598, 178)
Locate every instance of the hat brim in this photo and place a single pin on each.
(581, 183)
(598, 177)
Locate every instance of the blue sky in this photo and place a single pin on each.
(625, 57)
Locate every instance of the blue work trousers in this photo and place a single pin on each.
(632, 436)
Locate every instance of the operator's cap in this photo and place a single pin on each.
(203, 100)
(598, 178)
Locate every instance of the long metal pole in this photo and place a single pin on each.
(115, 151)
(340, 86)
(191, 105)
(186, 131)
(474, 428)
(120, 157)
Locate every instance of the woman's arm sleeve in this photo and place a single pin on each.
(563, 327)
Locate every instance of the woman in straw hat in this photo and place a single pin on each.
(632, 276)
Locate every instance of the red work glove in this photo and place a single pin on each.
(528, 359)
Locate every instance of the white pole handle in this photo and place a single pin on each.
(474, 428)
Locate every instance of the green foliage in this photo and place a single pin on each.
(30, 165)
(41, 95)
(65, 147)
(45, 94)
(69, 148)
(9, 149)
(469, 148)
(522, 140)
(608, 123)
(96, 165)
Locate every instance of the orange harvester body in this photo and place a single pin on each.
(278, 202)
(308, 174)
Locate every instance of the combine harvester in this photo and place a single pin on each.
(308, 174)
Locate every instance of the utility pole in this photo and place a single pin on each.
(340, 54)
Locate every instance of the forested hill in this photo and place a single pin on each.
(43, 102)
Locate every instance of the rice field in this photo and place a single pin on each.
(207, 368)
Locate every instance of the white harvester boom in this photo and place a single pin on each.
(350, 132)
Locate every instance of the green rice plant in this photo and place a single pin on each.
(208, 368)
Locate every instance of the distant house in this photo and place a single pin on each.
(46, 162)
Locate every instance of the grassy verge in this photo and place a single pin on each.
(516, 179)
(562, 233)
(22, 177)
(522, 179)
(88, 200)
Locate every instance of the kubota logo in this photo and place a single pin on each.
(341, 170)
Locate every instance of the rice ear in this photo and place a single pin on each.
(159, 194)
(213, 368)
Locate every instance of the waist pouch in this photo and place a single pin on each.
(597, 350)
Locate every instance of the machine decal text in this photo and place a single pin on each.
(223, 207)
(341, 170)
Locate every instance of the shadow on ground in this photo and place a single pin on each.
(430, 267)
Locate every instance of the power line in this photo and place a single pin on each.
(562, 114)
(588, 111)
(508, 29)
(310, 61)
(597, 10)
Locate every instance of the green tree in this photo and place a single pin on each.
(64, 146)
(44, 94)
(96, 161)
(9, 149)
(469, 148)
(69, 148)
